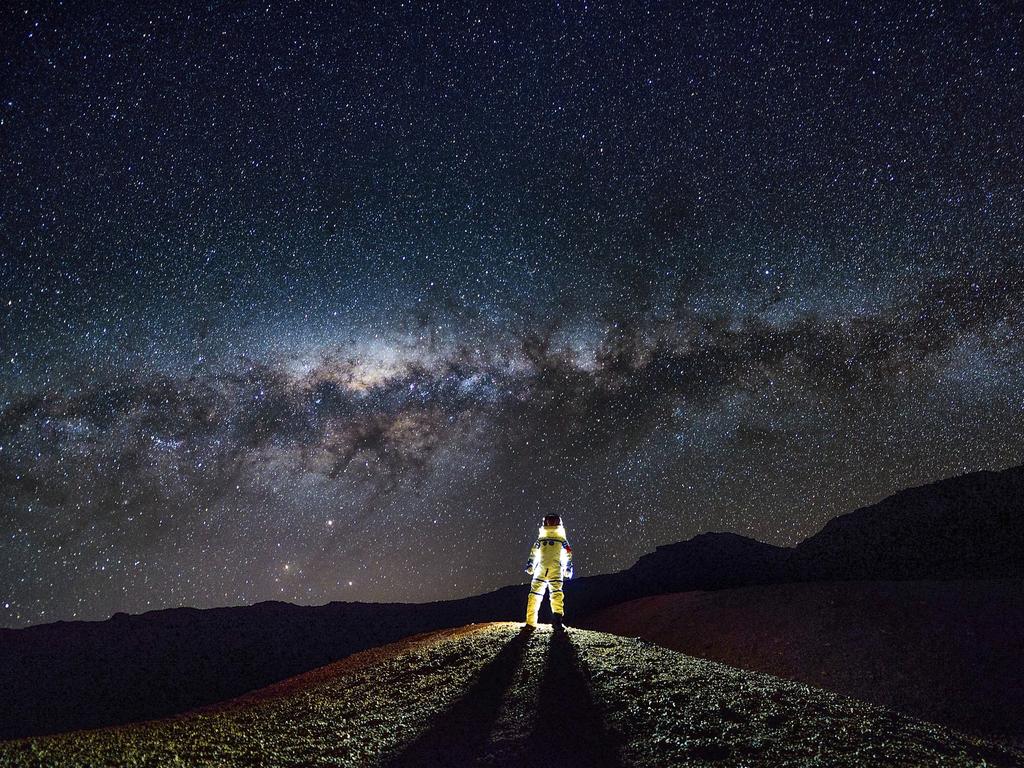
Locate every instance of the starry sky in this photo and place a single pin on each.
(332, 301)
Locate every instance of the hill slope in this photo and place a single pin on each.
(949, 652)
(488, 695)
(88, 674)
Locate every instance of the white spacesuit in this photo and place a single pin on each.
(550, 562)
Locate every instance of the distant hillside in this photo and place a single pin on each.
(86, 674)
(946, 651)
(966, 527)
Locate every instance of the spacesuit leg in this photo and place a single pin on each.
(557, 598)
(537, 588)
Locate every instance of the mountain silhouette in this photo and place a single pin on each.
(967, 527)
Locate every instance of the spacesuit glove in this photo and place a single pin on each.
(568, 572)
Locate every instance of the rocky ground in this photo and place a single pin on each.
(487, 695)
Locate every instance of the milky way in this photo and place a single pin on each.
(326, 302)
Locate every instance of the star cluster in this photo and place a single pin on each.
(330, 301)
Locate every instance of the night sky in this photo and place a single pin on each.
(313, 302)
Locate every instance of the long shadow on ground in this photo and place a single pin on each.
(460, 735)
(568, 729)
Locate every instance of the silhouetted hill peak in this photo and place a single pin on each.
(707, 561)
(971, 526)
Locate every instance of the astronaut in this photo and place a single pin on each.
(550, 562)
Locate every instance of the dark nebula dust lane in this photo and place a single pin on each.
(333, 302)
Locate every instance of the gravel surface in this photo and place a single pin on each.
(488, 695)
